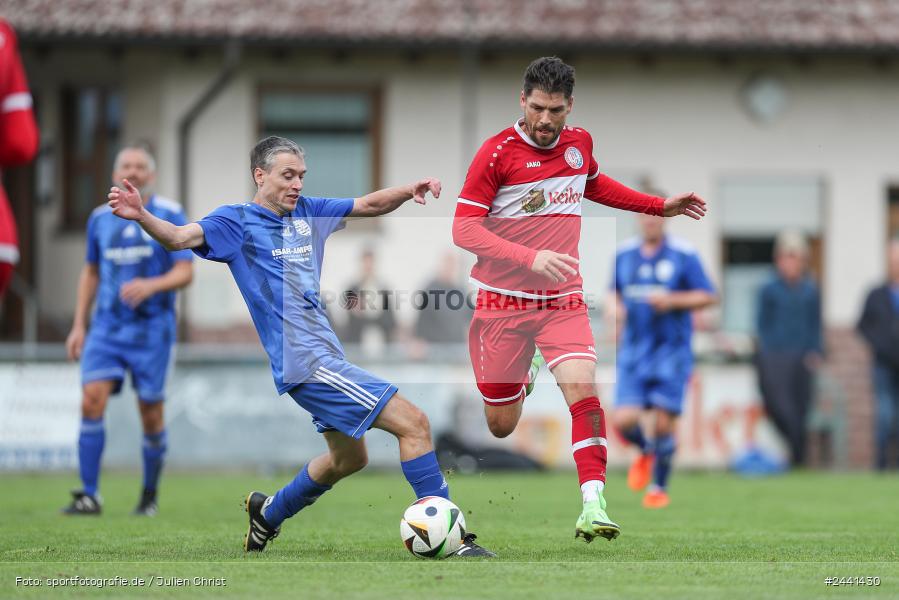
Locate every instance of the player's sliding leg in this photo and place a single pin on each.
(657, 494)
(588, 444)
(627, 422)
(91, 439)
(345, 456)
(153, 449)
(419, 461)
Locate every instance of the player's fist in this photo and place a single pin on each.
(126, 203)
(74, 343)
(685, 204)
(555, 266)
(136, 291)
(421, 188)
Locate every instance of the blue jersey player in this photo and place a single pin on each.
(658, 281)
(132, 280)
(274, 247)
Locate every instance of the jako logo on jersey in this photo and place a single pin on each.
(534, 201)
(302, 227)
(532, 164)
(573, 158)
(569, 196)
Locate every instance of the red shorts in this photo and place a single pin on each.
(501, 345)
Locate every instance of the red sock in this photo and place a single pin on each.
(588, 439)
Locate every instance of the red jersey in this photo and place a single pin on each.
(520, 198)
(18, 131)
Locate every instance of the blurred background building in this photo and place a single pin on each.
(783, 114)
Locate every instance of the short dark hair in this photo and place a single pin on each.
(549, 74)
(264, 152)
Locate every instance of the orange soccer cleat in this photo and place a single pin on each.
(656, 498)
(639, 474)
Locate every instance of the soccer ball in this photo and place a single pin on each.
(433, 527)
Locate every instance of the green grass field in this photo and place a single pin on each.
(722, 537)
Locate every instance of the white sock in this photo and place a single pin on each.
(591, 490)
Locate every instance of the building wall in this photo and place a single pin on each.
(679, 121)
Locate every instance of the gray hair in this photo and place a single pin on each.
(151, 160)
(791, 242)
(264, 152)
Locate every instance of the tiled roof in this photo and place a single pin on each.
(851, 25)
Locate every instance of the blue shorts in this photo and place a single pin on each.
(664, 393)
(103, 359)
(343, 397)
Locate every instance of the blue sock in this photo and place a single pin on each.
(423, 474)
(293, 497)
(90, 448)
(635, 436)
(154, 450)
(664, 447)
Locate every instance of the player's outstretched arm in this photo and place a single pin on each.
(685, 204)
(605, 190)
(127, 204)
(389, 199)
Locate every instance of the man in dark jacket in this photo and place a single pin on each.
(879, 325)
(788, 323)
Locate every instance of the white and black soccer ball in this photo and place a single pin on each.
(433, 527)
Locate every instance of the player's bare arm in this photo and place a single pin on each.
(127, 204)
(388, 200)
(140, 288)
(688, 300)
(87, 290)
(688, 204)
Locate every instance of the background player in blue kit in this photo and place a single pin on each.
(658, 280)
(133, 279)
(274, 247)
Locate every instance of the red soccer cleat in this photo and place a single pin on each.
(640, 473)
(656, 498)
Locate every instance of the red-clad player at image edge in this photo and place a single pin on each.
(18, 141)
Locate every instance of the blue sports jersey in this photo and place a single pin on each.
(122, 251)
(657, 345)
(277, 262)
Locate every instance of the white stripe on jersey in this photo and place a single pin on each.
(473, 203)
(9, 254)
(518, 293)
(17, 101)
(568, 192)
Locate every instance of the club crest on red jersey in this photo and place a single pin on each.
(573, 158)
(534, 201)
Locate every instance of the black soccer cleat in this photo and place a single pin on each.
(82, 504)
(259, 532)
(147, 507)
(469, 549)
